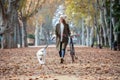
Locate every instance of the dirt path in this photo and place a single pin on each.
(92, 64)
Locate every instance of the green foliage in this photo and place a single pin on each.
(32, 36)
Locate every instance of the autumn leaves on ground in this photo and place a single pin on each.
(92, 64)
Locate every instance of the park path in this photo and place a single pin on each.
(92, 64)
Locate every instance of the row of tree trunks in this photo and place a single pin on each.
(11, 31)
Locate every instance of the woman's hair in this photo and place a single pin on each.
(63, 20)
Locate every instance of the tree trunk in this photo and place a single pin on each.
(2, 41)
(101, 36)
(92, 37)
(43, 35)
(16, 30)
(103, 26)
(106, 23)
(96, 30)
(10, 36)
(19, 36)
(2, 25)
(83, 35)
(48, 26)
(102, 9)
(9, 40)
(79, 38)
(37, 41)
(24, 32)
(88, 36)
(11, 25)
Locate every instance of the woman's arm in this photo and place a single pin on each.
(56, 30)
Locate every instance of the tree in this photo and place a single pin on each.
(82, 10)
(44, 26)
(28, 8)
(9, 22)
(96, 13)
(16, 13)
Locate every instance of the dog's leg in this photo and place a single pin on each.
(44, 58)
(39, 58)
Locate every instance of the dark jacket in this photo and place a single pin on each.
(66, 33)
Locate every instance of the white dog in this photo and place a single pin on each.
(41, 54)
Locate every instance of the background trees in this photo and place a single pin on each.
(90, 19)
(15, 15)
(9, 23)
(96, 17)
(18, 14)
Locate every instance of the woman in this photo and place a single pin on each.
(62, 33)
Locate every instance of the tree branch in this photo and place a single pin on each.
(36, 10)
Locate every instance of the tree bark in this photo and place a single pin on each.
(96, 30)
(103, 27)
(19, 39)
(37, 31)
(10, 24)
(92, 37)
(24, 32)
(2, 24)
(83, 35)
(88, 36)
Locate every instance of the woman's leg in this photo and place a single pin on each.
(63, 53)
(60, 52)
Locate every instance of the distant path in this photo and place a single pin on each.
(54, 46)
